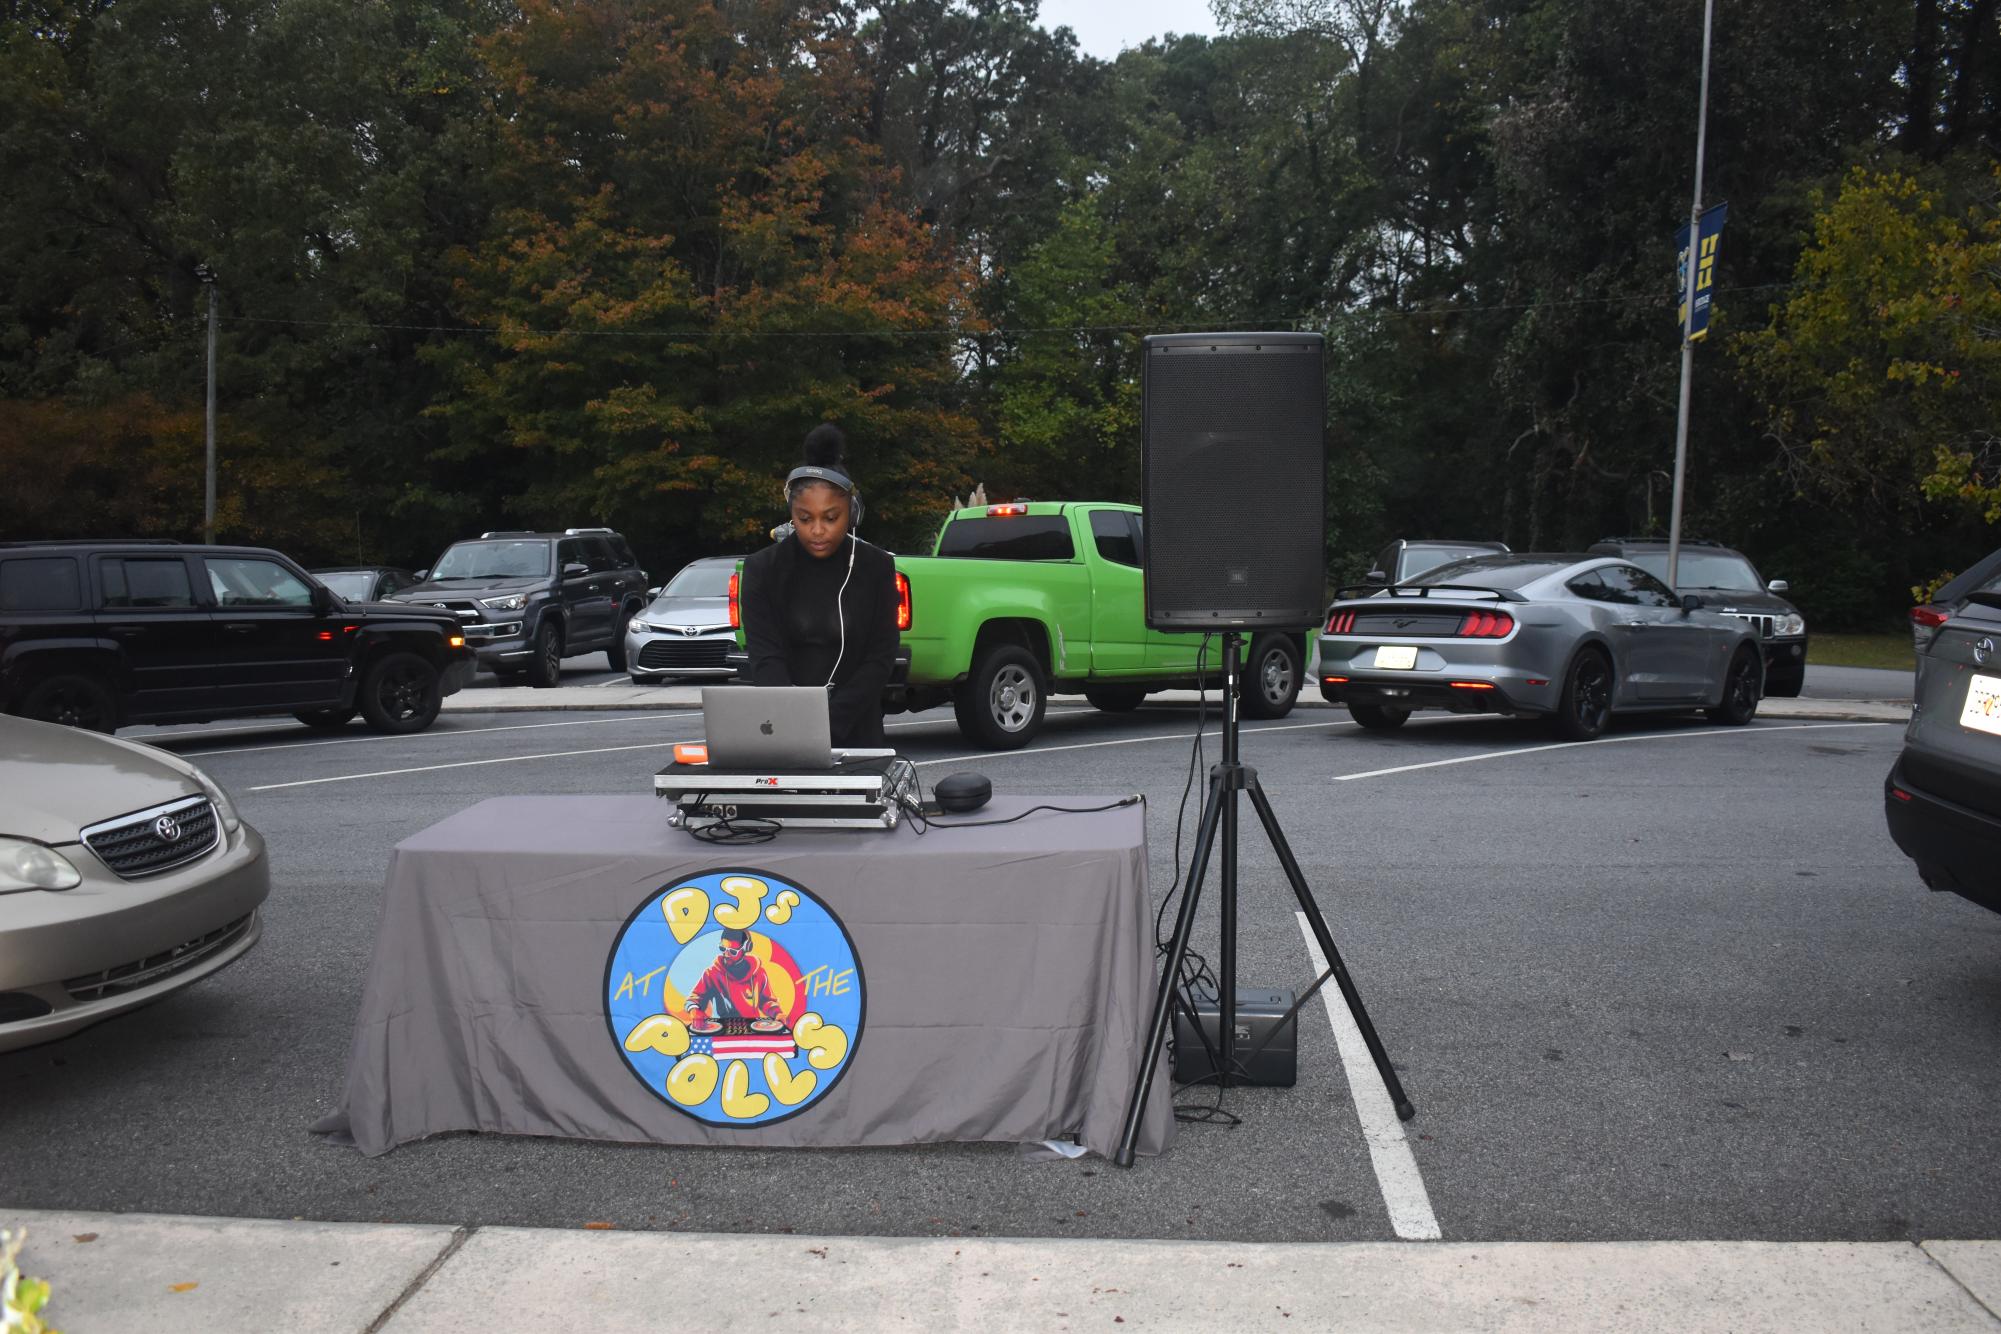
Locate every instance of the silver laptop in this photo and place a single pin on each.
(776, 728)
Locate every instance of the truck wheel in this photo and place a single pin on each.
(72, 700)
(1115, 699)
(325, 720)
(1378, 718)
(1271, 677)
(546, 667)
(400, 694)
(615, 651)
(1000, 704)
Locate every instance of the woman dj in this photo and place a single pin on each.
(819, 605)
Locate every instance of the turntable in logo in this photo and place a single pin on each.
(736, 997)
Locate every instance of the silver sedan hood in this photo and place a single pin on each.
(55, 780)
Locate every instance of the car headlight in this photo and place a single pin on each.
(225, 809)
(642, 627)
(512, 602)
(1794, 624)
(25, 865)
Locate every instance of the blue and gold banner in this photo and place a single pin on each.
(1705, 270)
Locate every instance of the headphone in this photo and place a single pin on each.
(834, 477)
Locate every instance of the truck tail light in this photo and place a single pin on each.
(902, 601)
(736, 607)
(1486, 625)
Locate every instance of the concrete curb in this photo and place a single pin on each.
(167, 1274)
(622, 696)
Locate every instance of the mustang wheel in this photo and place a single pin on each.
(1379, 718)
(1000, 704)
(399, 693)
(1740, 692)
(1586, 704)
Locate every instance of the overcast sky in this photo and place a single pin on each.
(1104, 26)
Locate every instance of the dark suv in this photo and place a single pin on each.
(526, 601)
(103, 634)
(1943, 797)
(1727, 582)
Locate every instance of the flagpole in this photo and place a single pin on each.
(1688, 313)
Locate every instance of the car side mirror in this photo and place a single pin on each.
(422, 575)
(1375, 577)
(1778, 586)
(653, 593)
(576, 569)
(323, 600)
(1691, 602)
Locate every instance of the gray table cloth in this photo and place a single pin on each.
(572, 966)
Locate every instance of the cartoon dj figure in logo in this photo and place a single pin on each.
(734, 986)
(735, 996)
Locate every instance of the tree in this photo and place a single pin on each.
(1882, 369)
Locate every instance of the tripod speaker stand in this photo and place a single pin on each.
(1219, 810)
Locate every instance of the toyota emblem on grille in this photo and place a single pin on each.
(691, 629)
(167, 829)
(1982, 651)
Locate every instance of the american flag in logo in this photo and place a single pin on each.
(737, 1040)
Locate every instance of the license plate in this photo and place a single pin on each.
(1983, 705)
(1403, 657)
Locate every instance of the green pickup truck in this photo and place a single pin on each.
(1024, 600)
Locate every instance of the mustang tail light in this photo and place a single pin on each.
(1340, 622)
(902, 601)
(1486, 625)
(736, 607)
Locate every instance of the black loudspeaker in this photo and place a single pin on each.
(1235, 481)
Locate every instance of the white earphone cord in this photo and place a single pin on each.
(841, 609)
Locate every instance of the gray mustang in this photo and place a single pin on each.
(1571, 638)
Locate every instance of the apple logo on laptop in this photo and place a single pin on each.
(765, 727)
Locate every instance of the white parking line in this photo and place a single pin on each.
(1404, 1195)
(1120, 741)
(1601, 741)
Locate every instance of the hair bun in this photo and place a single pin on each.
(826, 446)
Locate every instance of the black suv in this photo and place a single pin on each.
(1727, 582)
(103, 634)
(526, 601)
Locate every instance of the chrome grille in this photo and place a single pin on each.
(464, 609)
(137, 845)
(116, 981)
(668, 654)
(1764, 625)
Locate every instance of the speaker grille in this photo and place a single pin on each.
(1235, 487)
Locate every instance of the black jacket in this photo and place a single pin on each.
(867, 657)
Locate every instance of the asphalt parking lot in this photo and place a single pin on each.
(1674, 984)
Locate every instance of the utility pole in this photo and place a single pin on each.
(1688, 316)
(208, 502)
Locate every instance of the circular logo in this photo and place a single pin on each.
(167, 829)
(735, 996)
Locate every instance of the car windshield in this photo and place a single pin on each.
(1422, 556)
(1724, 571)
(699, 581)
(1491, 572)
(354, 585)
(493, 560)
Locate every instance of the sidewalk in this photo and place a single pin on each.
(625, 695)
(120, 1273)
